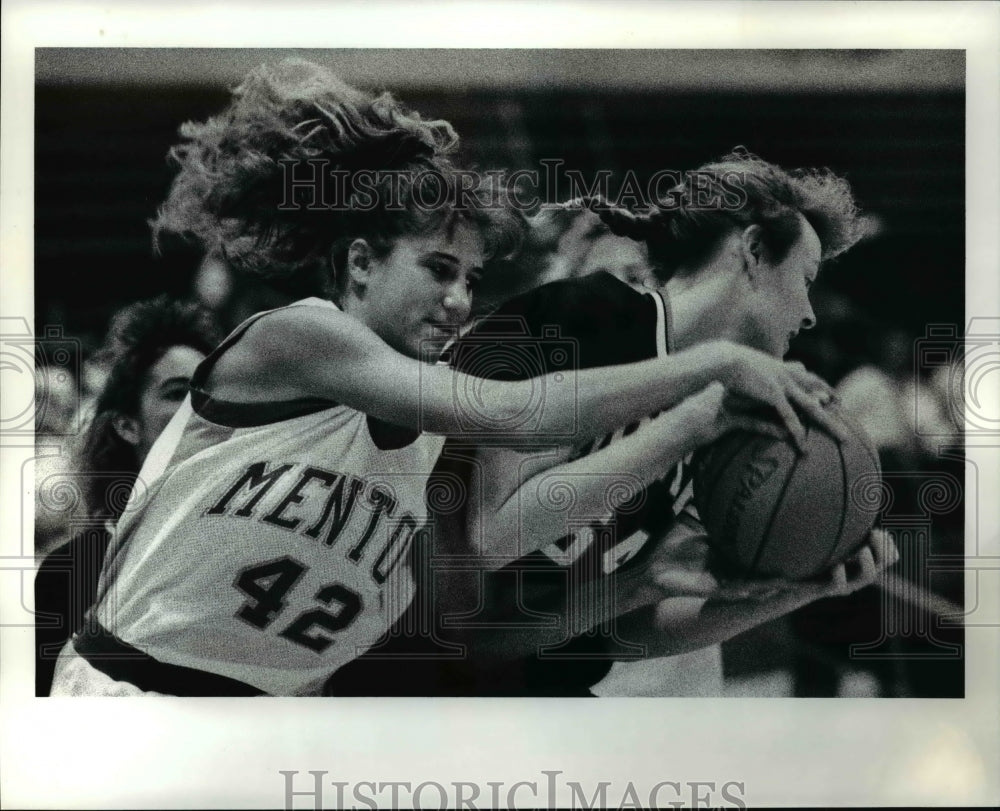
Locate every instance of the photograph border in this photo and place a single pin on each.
(101, 753)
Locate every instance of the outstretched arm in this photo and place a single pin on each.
(513, 500)
(671, 604)
(315, 352)
(699, 611)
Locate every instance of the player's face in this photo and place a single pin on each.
(166, 386)
(423, 284)
(779, 306)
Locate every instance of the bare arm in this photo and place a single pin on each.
(315, 352)
(522, 502)
(671, 604)
(689, 620)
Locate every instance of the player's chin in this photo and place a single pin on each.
(436, 335)
(428, 342)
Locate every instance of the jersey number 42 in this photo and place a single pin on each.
(267, 584)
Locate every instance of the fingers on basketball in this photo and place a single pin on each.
(867, 569)
(812, 383)
(838, 580)
(814, 409)
(791, 421)
(883, 549)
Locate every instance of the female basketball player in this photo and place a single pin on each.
(152, 349)
(608, 523)
(265, 545)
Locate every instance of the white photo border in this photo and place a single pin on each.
(104, 753)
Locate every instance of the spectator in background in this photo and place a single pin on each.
(151, 351)
(876, 394)
(56, 403)
(907, 418)
(565, 241)
(586, 245)
(56, 400)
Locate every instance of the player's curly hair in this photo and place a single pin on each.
(381, 164)
(738, 190)
(139, 335)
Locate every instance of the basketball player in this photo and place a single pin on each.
(265, 545)
(739, 274)
(152, 349)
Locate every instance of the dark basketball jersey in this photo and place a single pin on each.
(597, 321)
(575, 324)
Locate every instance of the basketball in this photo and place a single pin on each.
(773, 512)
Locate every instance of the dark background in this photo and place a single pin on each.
(101, 170)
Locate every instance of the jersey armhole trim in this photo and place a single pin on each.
(664, 336)
(250, 415)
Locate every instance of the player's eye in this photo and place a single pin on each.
(174, 392)
(440, 271)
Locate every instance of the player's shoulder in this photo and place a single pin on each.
(309, 317)
(272, 348)
(298, 331)
(599, 295)
(605, 321)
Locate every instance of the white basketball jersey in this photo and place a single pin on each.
(267, 542)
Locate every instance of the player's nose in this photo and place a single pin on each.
(457, 301)
(808, 318)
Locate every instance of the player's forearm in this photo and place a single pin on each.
(566, 407)
(611, 397)
(538, 511)
(682, 624)
(686, 622)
